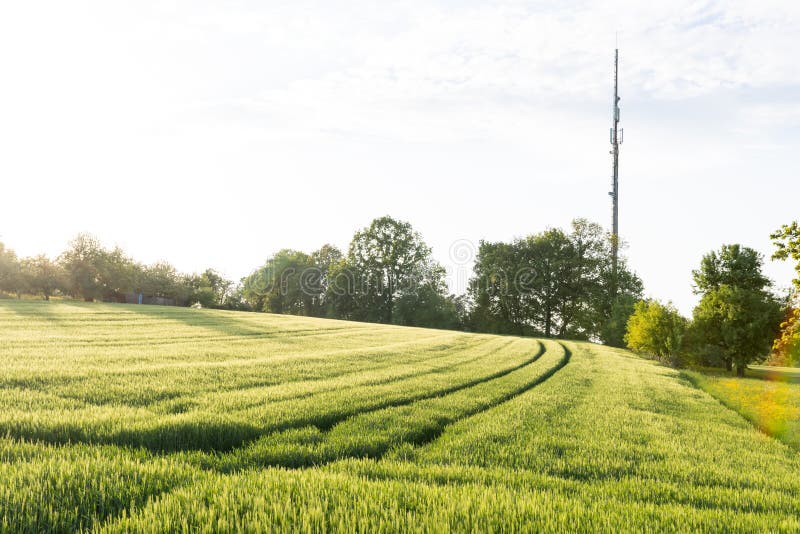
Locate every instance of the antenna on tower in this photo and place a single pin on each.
(616, 140)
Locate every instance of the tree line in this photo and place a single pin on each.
(739, 319)
(555, 283)
(88, 271)
(387, 275)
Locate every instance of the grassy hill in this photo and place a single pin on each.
(138, 418)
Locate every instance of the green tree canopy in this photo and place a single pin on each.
(82, 263)
(737, 317)
(426, 302)
(387, 276)
(385, 259)
(162, 279)
(10, 274)
(44, 276)
(787, 244)
(210, 289)
(500, 304)
(734, 266)
(739, 322)
(553, 284)
(787, 345)
(278, 286)
(656, 329)
(612, 331)
(116, 273)
(317, 281)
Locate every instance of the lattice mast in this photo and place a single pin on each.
(615, 134)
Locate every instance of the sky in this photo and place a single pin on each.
(212, 134)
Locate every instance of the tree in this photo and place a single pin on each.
(741, 323)
(613, 295)
(612, 331)
(94, 272)
(387, 268)
(44, 277)
(161, 279)
(427, 303)
(82, 263)
(547, 278)
(737, 317)
(656, 329)
(340, 292)
(235, 299)
(787, 345)
(733, 265)
(10, 271)
(787, 243)
(584, 289)
(116, 274)
(387, 276)
(278, 286)
(553, 284)
(316, 280)
(209, 289)
(383, 258)
(497, 289)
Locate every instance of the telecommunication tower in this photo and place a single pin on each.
(615, 135)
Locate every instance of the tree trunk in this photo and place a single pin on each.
(547, 322)
(562, 331)
(728, 365)
(389, 306)
(740, 370)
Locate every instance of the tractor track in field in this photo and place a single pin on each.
(253, 432)
(325, 422)
(112, 515)
(327, 425)
(432, 369)
(428, 435)
(198, 364)
(494, 403)
(510, 396)
(424, 440)
(429, 361)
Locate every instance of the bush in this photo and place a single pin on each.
(657, 330)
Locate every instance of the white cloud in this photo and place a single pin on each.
(780, 114)
(457, 71)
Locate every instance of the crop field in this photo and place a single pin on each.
(122, 418)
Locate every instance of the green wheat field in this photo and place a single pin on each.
(119, 418)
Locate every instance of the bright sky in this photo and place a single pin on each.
(213, 134)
